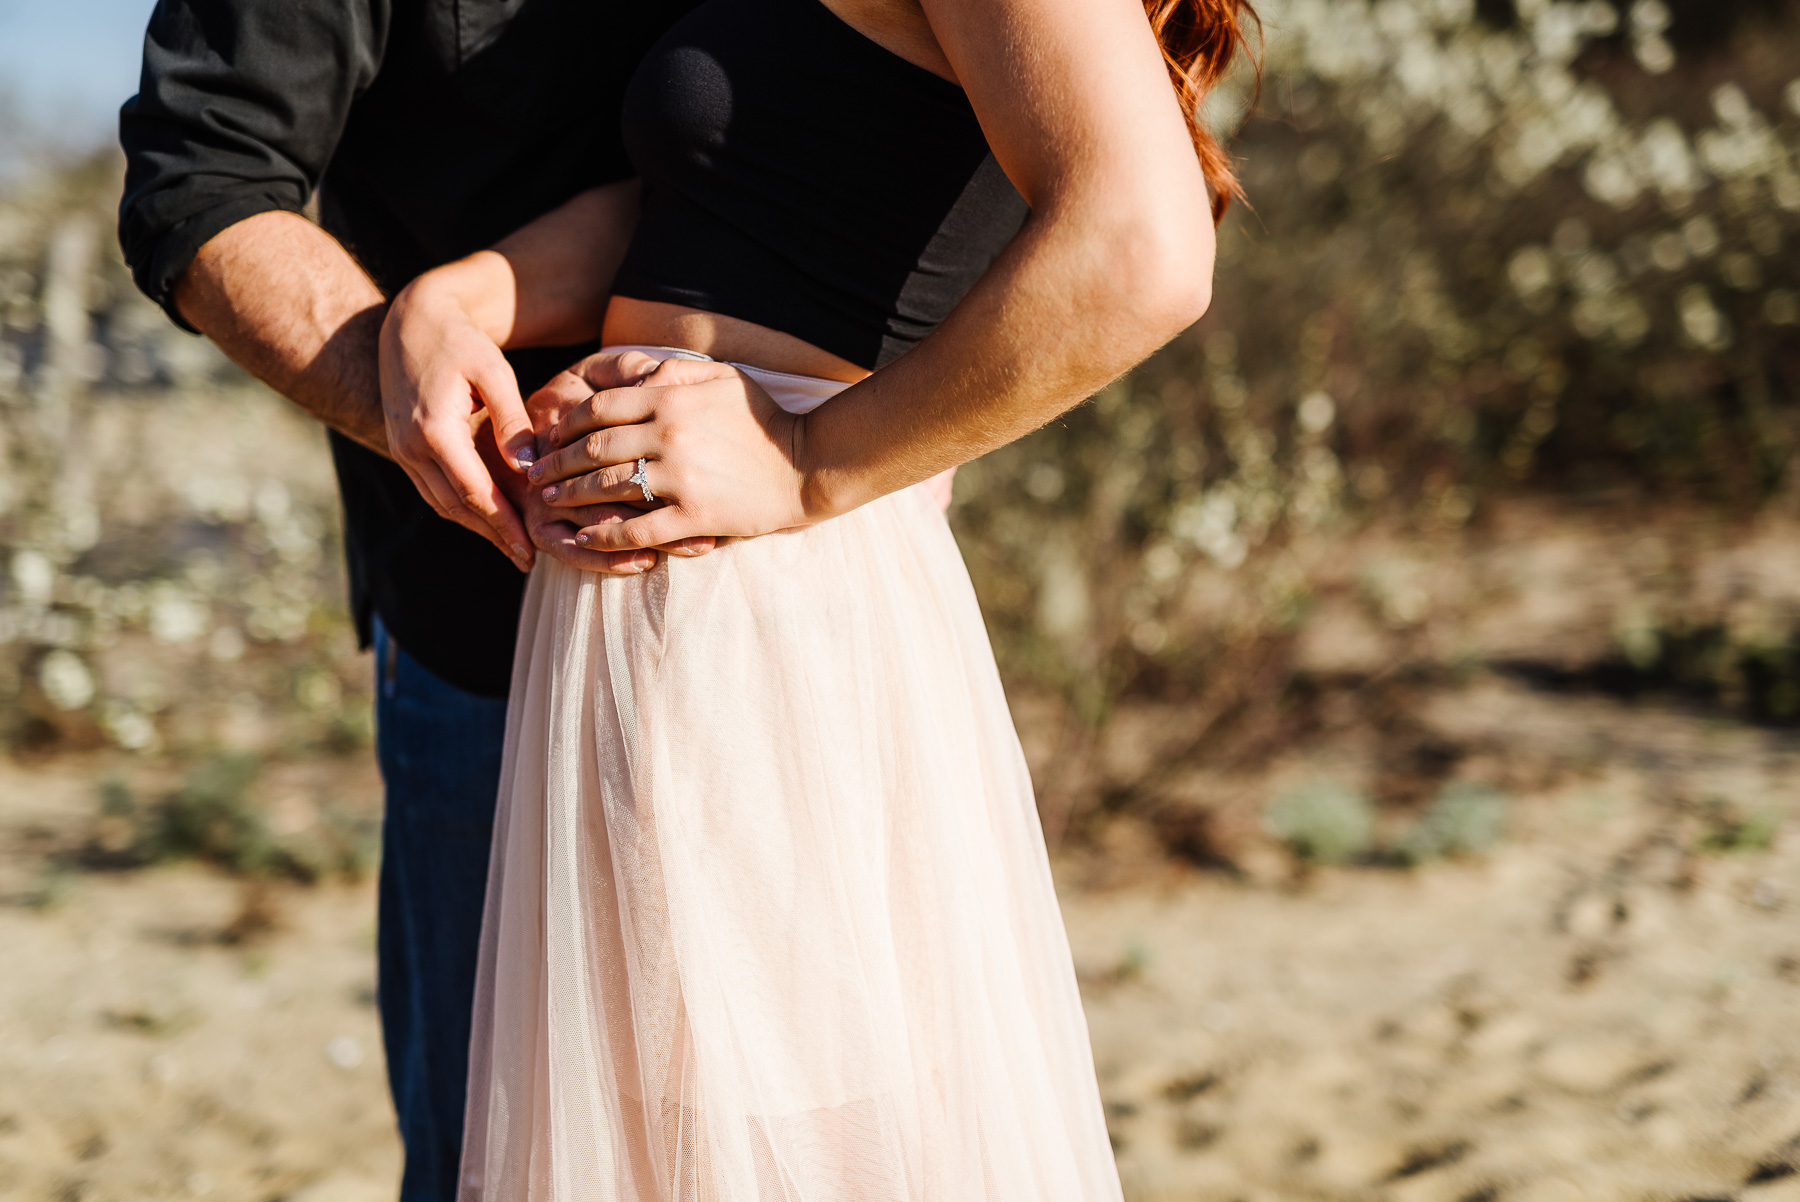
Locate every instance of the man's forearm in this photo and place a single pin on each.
(287, 303)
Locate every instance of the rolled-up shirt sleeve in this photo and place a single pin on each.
(239, 108)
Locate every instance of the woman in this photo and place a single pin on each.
(770, 914)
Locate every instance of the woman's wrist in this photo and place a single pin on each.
(822, 492)
(478, 290)
(852, 450)
(836, 469)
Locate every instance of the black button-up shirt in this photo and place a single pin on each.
(431, 128)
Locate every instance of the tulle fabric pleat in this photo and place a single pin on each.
(770, 918)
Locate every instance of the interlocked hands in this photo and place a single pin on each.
(457, 425)
(551, 473)
(720, 457)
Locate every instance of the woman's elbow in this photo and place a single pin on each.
(1164, 270)
(1185, 293)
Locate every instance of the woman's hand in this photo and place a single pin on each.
(442, 373)
(554, 529)
(722, 459)
(444, 380)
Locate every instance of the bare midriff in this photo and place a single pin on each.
(728, 339)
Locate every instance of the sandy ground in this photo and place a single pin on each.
(1601, 1009)
(143, 1055)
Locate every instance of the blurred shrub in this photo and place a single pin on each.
(1466, 819)
(52, 886)
(1323, 822)
(1479, 259)
(1496, 246)
(1728, 827)
(212, 818)
(216, 817)
(1492, 250)
(170, 565)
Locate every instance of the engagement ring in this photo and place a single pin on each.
(642, 481)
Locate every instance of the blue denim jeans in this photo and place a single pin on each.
(439, 749)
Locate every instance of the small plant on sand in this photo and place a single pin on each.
(1323, 822)
(52, 887)
(1466, 819)
(215, 816)
(1730, 827)
(211, 817)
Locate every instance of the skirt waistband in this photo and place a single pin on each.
(794, 393)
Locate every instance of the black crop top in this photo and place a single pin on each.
(802, 177)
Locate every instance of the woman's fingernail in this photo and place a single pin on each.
(521, 552)
(583, 538)
(551, 491)
(535, 470)
(525, 456)
(642, 563)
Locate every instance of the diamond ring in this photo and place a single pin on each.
(642, 481)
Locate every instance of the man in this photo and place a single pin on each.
(430, 128)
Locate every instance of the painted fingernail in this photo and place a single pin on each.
(583, 538)
(535, 470)
(524, 455)
(551, 491)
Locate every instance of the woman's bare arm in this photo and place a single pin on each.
(1114, 261)
(545, 285)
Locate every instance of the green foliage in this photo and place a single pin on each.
(1466, 819)
(160, 615)
(1483, 259)
(52, 886)
(215, 817)
(1323, 822)
(1490, 249)
(1479, 259)
(1728, 828)
(211, 818)
(352, 728)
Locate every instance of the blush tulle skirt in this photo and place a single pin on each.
(769, 917)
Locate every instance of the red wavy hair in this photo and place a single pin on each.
(1199, 40)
